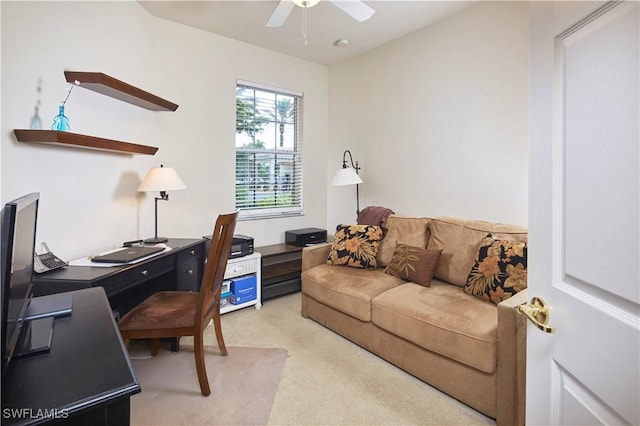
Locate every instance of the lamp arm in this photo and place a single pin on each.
(344, 161)
(356, 168)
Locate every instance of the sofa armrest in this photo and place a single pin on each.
(512, 353)
(315, 255)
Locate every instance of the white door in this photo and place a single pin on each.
(584, 213)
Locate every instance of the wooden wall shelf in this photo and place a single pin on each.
(69, 139)
(109, 86)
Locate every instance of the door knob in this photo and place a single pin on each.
(537, 312)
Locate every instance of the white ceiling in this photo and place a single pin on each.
(245, 21)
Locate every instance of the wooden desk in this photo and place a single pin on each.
(86, 378)
(178, 269)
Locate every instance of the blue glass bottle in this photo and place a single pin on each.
(36, 123)
(60, 121)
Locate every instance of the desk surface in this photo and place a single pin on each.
(89, 275)
(87, 366)
(129, 284)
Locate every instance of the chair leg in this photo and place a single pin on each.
(198, 343)
(218, 328)
(155, 346)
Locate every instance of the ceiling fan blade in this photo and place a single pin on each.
(355, 8)
(281, 13)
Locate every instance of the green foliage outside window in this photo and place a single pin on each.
(268, 152)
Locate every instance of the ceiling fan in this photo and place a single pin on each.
(354, 8)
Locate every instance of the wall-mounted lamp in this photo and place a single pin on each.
(348, 175)
(161, 179)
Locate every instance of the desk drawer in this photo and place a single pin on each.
(195, 252)
(138, 274)
(189, 268)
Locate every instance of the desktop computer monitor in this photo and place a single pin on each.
(17, 243)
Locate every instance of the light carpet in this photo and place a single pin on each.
(326, 379)
(243, 386)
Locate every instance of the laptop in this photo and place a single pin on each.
(126, 255)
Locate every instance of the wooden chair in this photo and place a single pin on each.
(182, 313)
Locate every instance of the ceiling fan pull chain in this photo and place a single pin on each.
(304, 24)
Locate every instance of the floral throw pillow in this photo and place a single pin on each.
(500, 270)
(414, 264)
(356, 246)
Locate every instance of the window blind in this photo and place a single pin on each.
(268, 151)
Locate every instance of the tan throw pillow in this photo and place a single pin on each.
(500, 270)
(356, 246)
(415, 264)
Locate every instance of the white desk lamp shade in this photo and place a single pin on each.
(346, 176)
(161, 179)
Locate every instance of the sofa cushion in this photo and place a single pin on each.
(349, 290)
(459, 240)
(415, 264)
(500, 270)
(356, 246)
(443, 319)
(413, 231)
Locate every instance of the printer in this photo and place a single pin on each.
(305, 237)
(242, 245)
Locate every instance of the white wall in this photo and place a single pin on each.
(88, 199)
(437, 119)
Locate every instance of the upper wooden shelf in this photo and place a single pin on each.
(102, 83)
(54, 137)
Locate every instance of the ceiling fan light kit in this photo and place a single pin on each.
(357, 9)
(306, 3)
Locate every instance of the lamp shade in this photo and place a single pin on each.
(346, 176)
(161, 179)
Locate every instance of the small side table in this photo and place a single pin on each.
(281, 268)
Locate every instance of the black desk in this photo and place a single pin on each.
(178, 269)
(86, 378)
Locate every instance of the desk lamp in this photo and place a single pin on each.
(348, 176)
(161, 179)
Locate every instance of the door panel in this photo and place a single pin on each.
(578, 405)
(600, 108)
(584, 213)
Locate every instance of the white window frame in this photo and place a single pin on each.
(281, 163)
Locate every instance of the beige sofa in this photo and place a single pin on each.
(469, 348)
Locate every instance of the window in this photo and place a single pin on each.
(268, 151)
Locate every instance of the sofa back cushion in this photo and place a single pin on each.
(412, 231)
(459, 240)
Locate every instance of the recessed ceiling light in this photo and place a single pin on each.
(343, 42)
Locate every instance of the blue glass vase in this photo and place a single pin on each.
(36, 123)
(60, 121)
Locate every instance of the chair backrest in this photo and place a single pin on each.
(221, 241)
